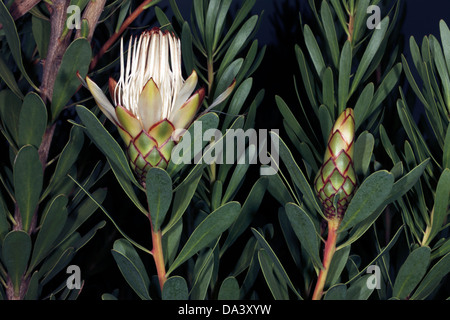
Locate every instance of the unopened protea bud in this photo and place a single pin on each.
(152, 100)
(336, 177)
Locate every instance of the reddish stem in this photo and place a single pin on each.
(329, 250)
(116, 35)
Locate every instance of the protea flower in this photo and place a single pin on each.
(152, 100)
(336, 176)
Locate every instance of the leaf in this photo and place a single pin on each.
(67, 157)
(297, 175)
(229, 290)
(433, 278)
(274, 261)
(238, 42)
(32, 120)
(16, 251)
(131, 267)
(277, 286)
(159, 195)
(369, 196)
(12, 37)
(330, 32)
(207, 231)
(76, 59)
(314, 51)
(28, 179)
(337, 292)
(345, 66)
(359, 290)
(188, 151)
(363, 152)
(369, 53)
(53, 223)
(248, 211)
(411, 272)
(441, 206)
(363, 104)
(305, 231)
(8, 77)
(175, 288)
(113, 152)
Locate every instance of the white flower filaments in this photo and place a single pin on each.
(151, 99)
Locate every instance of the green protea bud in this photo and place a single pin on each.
(153, 102)
(336, 177)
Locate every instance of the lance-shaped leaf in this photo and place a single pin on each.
(76, 59)
(370, 195)
(159, 195)
(411, 272)
(132, 268)
(16, 249)
(32, 120)
(305, 231)
(208, 230)
(28, 179)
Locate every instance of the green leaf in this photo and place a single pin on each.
(50, 228)
(76, 59)
(305, 231)
(369, 53)
(229, 290)
(175, 288)
(276, 285)
(297, 175)
(446, 152)
(411, 272)
(238, 42)
(345, 66)
(41, 33)
(273, 259)
(159, 195)
(369, 196)
(28, 179)
(10, 106)
(67, 157)
(433, 278)
(359, 290)
(441, 206)
(336, 292)
(337, 265)
(363, 152)
(16, 251)
(12, 37)
(207, 231)
(248, 211)
(330, 32)
(113, 152)
(314, 51)
(32, 120)
(362, 106)
(8, 77)
(187, 150)
(131, 267)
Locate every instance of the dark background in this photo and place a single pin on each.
(280, 32)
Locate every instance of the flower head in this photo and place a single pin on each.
(336, 177)
(151, 99)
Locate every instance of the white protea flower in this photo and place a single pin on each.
(151, 99)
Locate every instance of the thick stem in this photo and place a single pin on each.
(158, 256)
(329, 250)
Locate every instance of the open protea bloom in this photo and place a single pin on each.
(151, 98)
(336, 176)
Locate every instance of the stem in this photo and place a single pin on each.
(351, 26)
(329, 250)
(158, 256)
